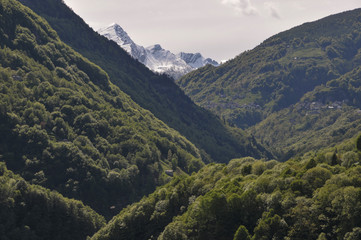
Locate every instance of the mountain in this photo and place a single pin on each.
(115, 33)
(316, 196)
(196, 60)
(323, 117)
(66, 127)
(274, 91)
(156, 93)
(155, 57)
(163, 61)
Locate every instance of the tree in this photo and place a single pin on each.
(358, 143)
(322, 236)
(242, 234)
(270, 226)
(354, 235)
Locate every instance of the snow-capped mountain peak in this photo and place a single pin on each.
(196, 60)
(117, 34)
(155, 57)
(155, 47)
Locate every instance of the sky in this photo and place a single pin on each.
(219, 29)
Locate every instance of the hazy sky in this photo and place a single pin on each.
(220, 29)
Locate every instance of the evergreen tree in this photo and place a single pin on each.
(242, 234)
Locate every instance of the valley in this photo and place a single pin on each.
(96, 145)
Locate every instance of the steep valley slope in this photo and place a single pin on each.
(156, 93)
(66, 127)
(297, 91)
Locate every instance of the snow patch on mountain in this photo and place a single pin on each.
(155, 57)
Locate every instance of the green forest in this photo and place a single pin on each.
(316, 196)
(95, 146)
(29, 211)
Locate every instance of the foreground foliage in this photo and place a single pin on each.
(32, 212)
(313, 197)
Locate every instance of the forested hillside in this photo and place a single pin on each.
(279, 71)
(66, 127)
(316, 196)
(159, 94)
(323, 117)
(301, 83)
(32, 212)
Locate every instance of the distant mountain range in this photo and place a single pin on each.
(155, 57)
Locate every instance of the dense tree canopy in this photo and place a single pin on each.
(32, 212)
(304, 198)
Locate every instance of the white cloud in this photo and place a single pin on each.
(242, 6)
(247, 7)
(272, 9)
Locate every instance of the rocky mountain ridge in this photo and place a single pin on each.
(156, 58)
